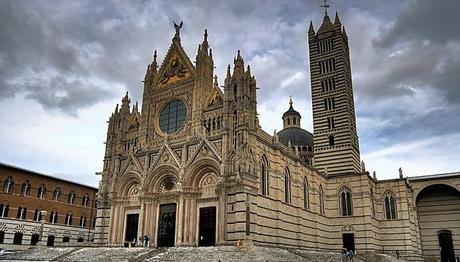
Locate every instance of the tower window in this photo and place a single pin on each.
(330, 122)
(294, 121)
(328, 84)
(288, 121)
(329, 103)
(331, 140)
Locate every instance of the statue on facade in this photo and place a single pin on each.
(178, 27)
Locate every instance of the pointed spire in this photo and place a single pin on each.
(228, 72)
(116, 109)
(344, 32)
(337, 19)
(239, 64)
(248, 70)
(205, 36)
(290, 101)
(210, 52)
(155, 56)
(216, 84)
(311, 29)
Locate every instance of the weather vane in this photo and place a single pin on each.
(326, 6)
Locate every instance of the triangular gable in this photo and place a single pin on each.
(175, 67)
(134, 120)
(205, 149)
(132, 164)
(166, 156)
(216, 98)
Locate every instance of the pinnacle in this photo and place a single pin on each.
(337, 19)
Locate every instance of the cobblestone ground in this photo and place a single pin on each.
(205, 254)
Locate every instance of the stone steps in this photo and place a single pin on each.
(205, 254)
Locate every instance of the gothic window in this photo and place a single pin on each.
(71, 197)
(82, 221)
(4, 208)
(331, 140)
(25, 189)
(345, 202)
(84, 201)
(389, 206)
(264, 177)
(37, 215)
(56, 194)
(234, 91)
(41, 191)
(321, 200)
(8, 185)
(287, 186)
(288, 121)
(68, 219)
(306, 201)
(172, 117)
(53, 217)
(22, 212)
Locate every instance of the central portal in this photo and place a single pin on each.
(207, 232)
(167, 225)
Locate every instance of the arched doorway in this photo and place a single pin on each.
(439, 223)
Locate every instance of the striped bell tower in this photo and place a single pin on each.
(336, 145)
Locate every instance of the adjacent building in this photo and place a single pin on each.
(38, 209)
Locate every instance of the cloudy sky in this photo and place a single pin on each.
(65, 64)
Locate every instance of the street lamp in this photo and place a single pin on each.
(42, 223)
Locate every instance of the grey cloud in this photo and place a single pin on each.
(424, 20)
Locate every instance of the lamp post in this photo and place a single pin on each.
(42, 223)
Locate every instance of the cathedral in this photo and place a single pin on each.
(193, 167)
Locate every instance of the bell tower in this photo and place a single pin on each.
(334, 122)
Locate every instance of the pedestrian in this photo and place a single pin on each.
(148, 240)
(350, 255)
(133, 244)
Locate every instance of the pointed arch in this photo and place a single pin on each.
(345, 201)
(287, 185)
(389, 205)
(25, 189)
(321, 199)
(306, 193)
(8, 185)
(264, 176)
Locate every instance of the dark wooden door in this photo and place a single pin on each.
(349, 241)
(207, 232)
(167, 225)
(132, 224)
(34, 239)
(50, 241)
(446, 245)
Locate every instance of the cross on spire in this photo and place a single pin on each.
(325, 6)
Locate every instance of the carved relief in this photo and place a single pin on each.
(175, 70)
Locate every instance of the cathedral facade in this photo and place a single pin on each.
(193, 167)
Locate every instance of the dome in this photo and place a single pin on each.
(297, 136)
(291, 112)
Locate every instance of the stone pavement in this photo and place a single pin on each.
(216, 254)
